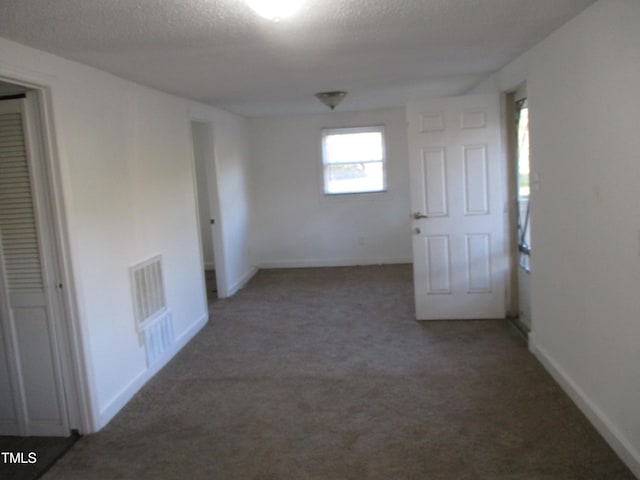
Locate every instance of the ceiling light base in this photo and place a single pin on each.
(331, 99)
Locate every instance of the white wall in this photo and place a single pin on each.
(126, 159)
(296, 225)
(585, 142)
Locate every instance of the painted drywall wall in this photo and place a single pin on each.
(585, 214)
(296, 225)
(125, 155)
(233, 173)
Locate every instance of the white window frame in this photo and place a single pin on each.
(347, 130)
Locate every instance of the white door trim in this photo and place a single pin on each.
(70, 334)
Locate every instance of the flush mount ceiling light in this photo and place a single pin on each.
(331, 99)
(275, 10)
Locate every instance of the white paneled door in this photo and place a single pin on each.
(32, 398)
(457, 199)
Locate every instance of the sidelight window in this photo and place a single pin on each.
(524, 184)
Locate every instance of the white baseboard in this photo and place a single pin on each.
(348, 262)
(122, 398)
(233, 289)
(241, 282)
(616, 439)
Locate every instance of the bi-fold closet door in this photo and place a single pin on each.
(32, 400)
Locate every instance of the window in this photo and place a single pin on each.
(353, 160)
(524, 230)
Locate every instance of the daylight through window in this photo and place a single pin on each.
(524, 228)
(353, 160)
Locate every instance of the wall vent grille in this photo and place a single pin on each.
(153, 319)
(148, 291)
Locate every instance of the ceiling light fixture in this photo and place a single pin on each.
(331, 99)
(275, 10)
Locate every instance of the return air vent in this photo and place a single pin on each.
(153, 319)
(148, 290)
(158, 337)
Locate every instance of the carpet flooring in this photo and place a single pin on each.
(324, 374)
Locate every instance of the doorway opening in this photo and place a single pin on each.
(519, 186)
(208, 208)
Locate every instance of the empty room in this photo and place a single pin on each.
(306, 239)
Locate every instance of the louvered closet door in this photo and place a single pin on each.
(31, 400)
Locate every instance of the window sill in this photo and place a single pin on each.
(382, 196)
(356, 194)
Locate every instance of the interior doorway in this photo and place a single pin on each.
(37, 388)
(208, 207)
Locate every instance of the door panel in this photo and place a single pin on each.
(8, 416)
(438, 266)
(36, 362)
(457, 199)
(434, 174)
(476, 200)
(27, 294)
(479, 263)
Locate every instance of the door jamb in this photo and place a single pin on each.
(511, 96)
(511, 204)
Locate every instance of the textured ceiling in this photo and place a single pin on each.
(384, 52)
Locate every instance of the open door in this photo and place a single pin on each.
(457, 198)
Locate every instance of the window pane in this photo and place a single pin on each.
(353, 147)
(354, 160)
(523, 152)
(354, 178)
(524, 190)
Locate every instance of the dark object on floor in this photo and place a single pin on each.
(43, 452)
(212, 287)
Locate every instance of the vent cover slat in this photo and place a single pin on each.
(153, 319)
(148, 290)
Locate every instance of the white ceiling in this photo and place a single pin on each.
(383, 52)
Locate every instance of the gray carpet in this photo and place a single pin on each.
(324, 374)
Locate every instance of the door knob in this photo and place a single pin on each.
(418, 215)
